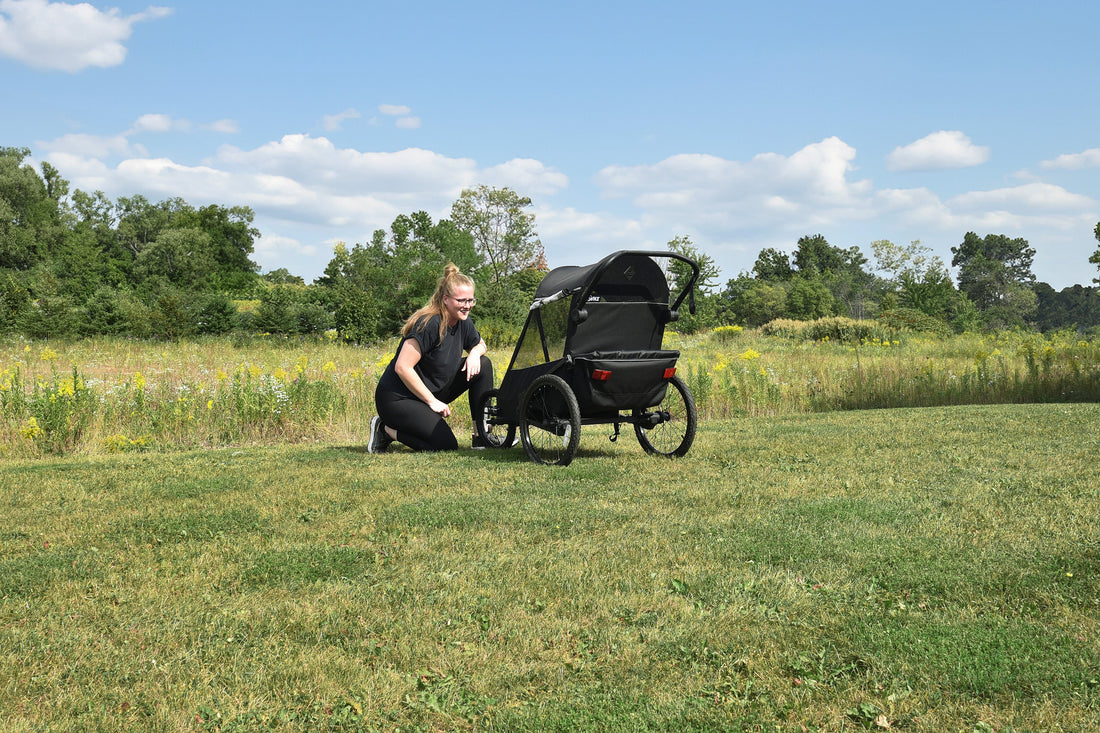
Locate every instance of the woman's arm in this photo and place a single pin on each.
(473, 361)
(408, 356)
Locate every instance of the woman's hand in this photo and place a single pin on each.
(442, 408)
(473, 366)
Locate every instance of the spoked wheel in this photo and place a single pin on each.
(495, 435)
(550, 421)
(669, 428)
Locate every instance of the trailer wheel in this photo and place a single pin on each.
(493, 433)
(668, 429)
(550, 421)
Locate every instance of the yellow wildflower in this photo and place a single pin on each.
(749, 355)
(30, 429)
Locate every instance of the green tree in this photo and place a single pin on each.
(217, 314)
(815, 256)
(183, 257)
(917, 276)
(15, 299)
(706, 301)
(52, 313)
(993, 268)
(839, 270)
(809, 299)
(282, 276)
(357, 314)
(771, 265)
(394, 274)
(276, 313)
(106, 312)
(30, 220)
(1095, 259)
(502, 229)
(231, 243)
(752, 302)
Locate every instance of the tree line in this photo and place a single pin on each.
(79, 264)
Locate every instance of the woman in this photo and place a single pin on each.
(428, 372)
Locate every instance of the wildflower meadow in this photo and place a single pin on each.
(108, 395)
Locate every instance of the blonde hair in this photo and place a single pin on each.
(452, 279)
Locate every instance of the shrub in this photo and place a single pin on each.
(836, 328)
(217, 314)
(911, 319)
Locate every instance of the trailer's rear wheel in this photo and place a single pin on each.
(669, 428)
(550, 421)
(494, 434)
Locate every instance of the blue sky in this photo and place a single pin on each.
(740, 125)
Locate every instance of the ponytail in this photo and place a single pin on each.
(452, 278)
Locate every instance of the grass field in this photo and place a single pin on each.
(930, 569)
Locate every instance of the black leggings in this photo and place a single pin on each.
(420, 428)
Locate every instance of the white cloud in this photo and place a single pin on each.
(319, 164)
(159, 123)
(92, 146)
(408, 123)
(334, 122)
(526, 176)
(1075, 161)
(277, 245)
(939, 151)
(394, 110)
(66, 37)
(1031, 197)
(228, 127)
(809, 188)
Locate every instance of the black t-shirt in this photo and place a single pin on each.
(439, 361)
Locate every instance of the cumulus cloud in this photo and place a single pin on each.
(336, 121)
(1031, 197)
(1075, 161)
(939, 151)
(67, 37)
(408, 123)
(527, 176)
(808, 188)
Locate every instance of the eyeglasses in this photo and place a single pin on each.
(465, 301)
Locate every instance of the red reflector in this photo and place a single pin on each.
(601, 375)
(670, 372)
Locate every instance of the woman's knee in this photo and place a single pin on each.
(486, 372)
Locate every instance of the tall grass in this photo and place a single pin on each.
(736, 373)
(111, 395)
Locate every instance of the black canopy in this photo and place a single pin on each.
(623, 275)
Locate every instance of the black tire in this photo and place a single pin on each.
(550, 421)
(495, 435)
(668, 429)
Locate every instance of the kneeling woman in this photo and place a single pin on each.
(428, 372)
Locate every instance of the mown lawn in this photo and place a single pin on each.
(926, 569)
